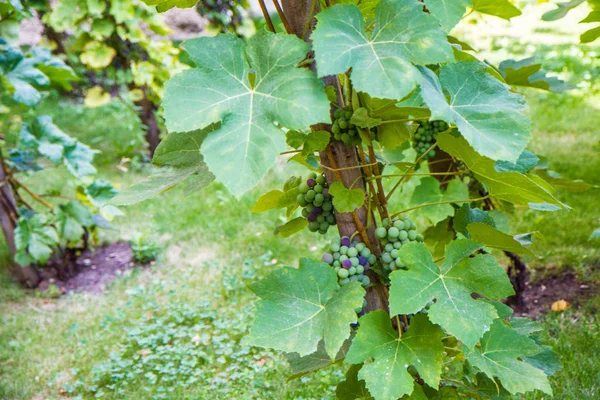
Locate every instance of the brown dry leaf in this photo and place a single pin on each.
(559, 306)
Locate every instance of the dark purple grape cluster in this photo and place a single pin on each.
(350, 259)
(317, 202)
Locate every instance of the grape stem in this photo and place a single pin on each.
(380, 191)
(372, 191)
(346, 168)
(393, 121)
(265, 13)
(438, 203)
(418, 174)
(281, 14)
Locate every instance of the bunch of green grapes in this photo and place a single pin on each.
(350, 259)
(425, 136)
(317, 202)
(393, 235)
(342, 128)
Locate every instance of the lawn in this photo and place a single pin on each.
(192, 307)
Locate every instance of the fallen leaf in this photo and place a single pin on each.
(559, 306)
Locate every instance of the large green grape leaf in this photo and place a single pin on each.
(516, 188)
(451, 285)
(467, 215)
(528, 73)
(164, 5)
(302, 366)
(382, 63)
(20, 77)
(485, 111)
(429, 191)
(498, 8)
(387, 376)
(181, 149)
(300, 307)
(502, 349)
(247, 88)
(448, 12)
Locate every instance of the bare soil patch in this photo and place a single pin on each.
(94, 270)
(538, 297)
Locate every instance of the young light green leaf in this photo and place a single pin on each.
(247, 142)
(387, 376)
(498, 8)
(361, 118)
(560, 182)
(451, 285)
(491, 237)
(300, 307)
(316, 141)
(346, 200)
(382, 64)
(268, 201)
(295, 139)
(562, 10)
(528, 73)
(513, 187)
(429, 191)
(467, 215)
(590, 35)
(485, 111)
(353, 388)
(499, 357)
(448, 12)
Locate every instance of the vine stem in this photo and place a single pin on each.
(380, 191)
(359, 225)
(32, 193)
(392, 121)
(281, 14)
(438, 203)
(265, 13)
(367, 171)
(348, 168)
(418, 174)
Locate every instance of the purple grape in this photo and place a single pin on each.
(312, 217)
(346, 241)
(347, 264)
(328, 258)
(317, 210)
(361, 313)
(363, 261)
(311, 182)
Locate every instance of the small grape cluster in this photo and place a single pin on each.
(343, 129)
(393, 235)
(425, 137)
(350, 259)
(317, 202)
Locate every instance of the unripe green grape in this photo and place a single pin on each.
(336, 269)
(412, 235)
(327, 206)
(393, 266)
(381, 232)
(372, 259)
(304, 212)
(359, 246)
(405, 241)
(344, 250)
(346, 138)
(337, 113)
(365, 252)
(343, 258)
(318, 188)
(320, 219)
(398, 263)
(420, 238)
(399, 224)
(343, 124)
(312, 175)
(360, 269)
(403, 235)
(336, 256)
(352, 271)
(309, 208)
(388, 247)
(393, 232)
(394, 253)
(319, 198)
(386, 257)
(343, 273)
(366, 281)
(386, 222)
(324, 226)
(352, 252)
(348, 115)
(320, 180)
(303, 188)
(344, 281)
(331, 219)
(334, 248)
(301, 200)
(310, 196)
(313, 226)
(397, 245)
(354, 261)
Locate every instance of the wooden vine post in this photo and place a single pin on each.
(341, 161)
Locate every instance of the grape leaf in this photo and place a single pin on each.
(485, 111)
(526, 161)
(562, 10)
(560, 182)
(299, 307)
(467, 215)
(448, 12)
(491, 237)
(387, 377)
(590, 35)
(499, 356)
(316, 141)
(451, 286)
(181, 149)
(361, 118)
(528, 73)
(97, 55)
(429, 191)
(291, 227)
(159, 183)
(498, 8)
(346, 200)
(268, 201)
(382, 64)
(164, 5)
(302, 366)
(220, 89)
(20, 76)
(516, 188)
(352, 388)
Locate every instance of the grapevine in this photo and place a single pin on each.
(393, 235)
(317, 203)
(343, 129)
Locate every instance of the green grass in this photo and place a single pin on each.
(214, 247)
